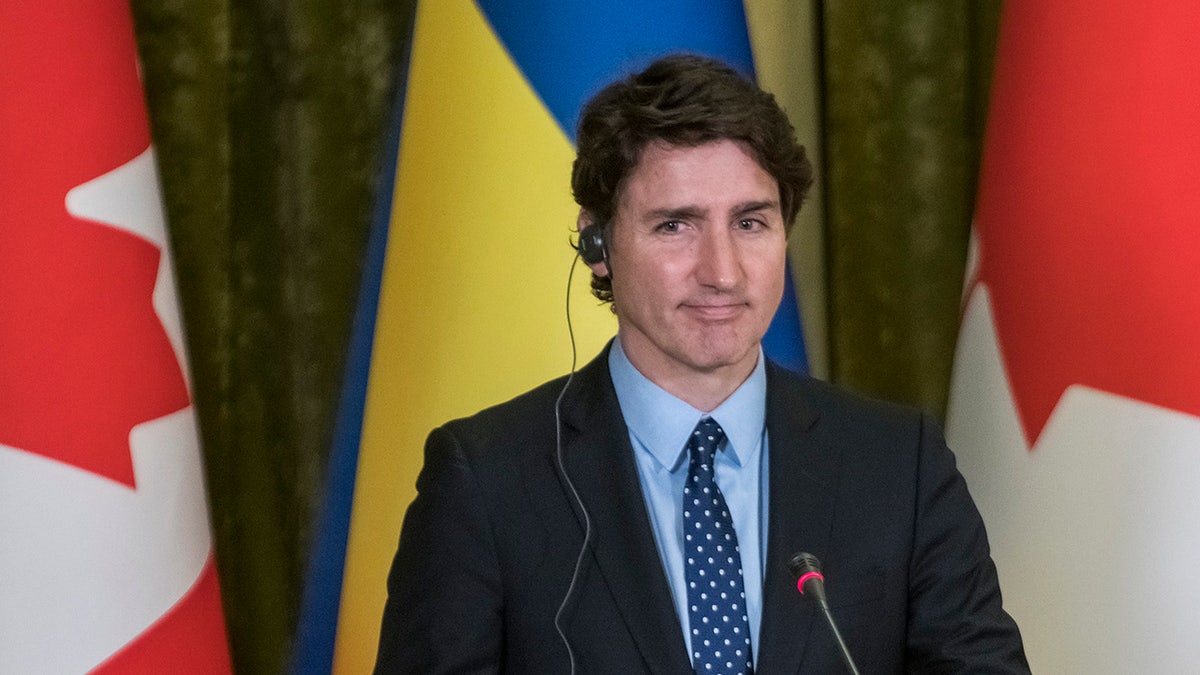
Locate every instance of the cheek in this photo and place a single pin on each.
(647, 275)
(634, 284)
(771, 270)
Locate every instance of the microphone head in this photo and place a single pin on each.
(807, 570)
(803, 563)
(811, 585)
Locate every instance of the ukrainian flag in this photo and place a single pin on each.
(463, 303)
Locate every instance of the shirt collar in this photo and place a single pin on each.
(662, 423)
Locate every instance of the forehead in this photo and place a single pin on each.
(708, 173)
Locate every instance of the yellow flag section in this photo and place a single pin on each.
(472, 307)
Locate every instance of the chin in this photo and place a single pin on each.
(715, 358)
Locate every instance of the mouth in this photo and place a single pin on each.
(723, 311)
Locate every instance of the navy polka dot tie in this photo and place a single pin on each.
(719, 625)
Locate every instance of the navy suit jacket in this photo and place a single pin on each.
(489, 547)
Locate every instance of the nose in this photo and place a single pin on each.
(717, 264)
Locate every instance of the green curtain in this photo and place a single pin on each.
(905, 100)
(269, 116)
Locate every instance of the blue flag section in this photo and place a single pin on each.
(570, 50)
(477, 61)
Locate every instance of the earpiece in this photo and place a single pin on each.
(592, 247)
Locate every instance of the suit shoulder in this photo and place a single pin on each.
(518, 422)
(834, 402)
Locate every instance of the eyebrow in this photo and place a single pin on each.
(692, 212)
(752, 207)
(677, 213)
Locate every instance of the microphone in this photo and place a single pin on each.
(811, 584)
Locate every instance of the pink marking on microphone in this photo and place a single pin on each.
(805, 577)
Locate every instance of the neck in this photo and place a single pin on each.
(706, 395)
(702, 388)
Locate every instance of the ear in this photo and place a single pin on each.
(583, 222)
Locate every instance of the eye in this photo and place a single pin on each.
(670, 226)
(750, 224)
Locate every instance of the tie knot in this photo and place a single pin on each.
(706, 437)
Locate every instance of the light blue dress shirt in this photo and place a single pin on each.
(659, 426)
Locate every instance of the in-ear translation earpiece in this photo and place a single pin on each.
(592, 245)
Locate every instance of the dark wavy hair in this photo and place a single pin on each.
(682, 100)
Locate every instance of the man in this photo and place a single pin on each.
(639, 515)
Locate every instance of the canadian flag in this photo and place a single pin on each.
(106, 560)
(1075, 404)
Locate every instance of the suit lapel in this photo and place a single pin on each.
(803, 468)
(599, 459)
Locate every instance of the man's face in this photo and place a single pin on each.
(697, 250)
